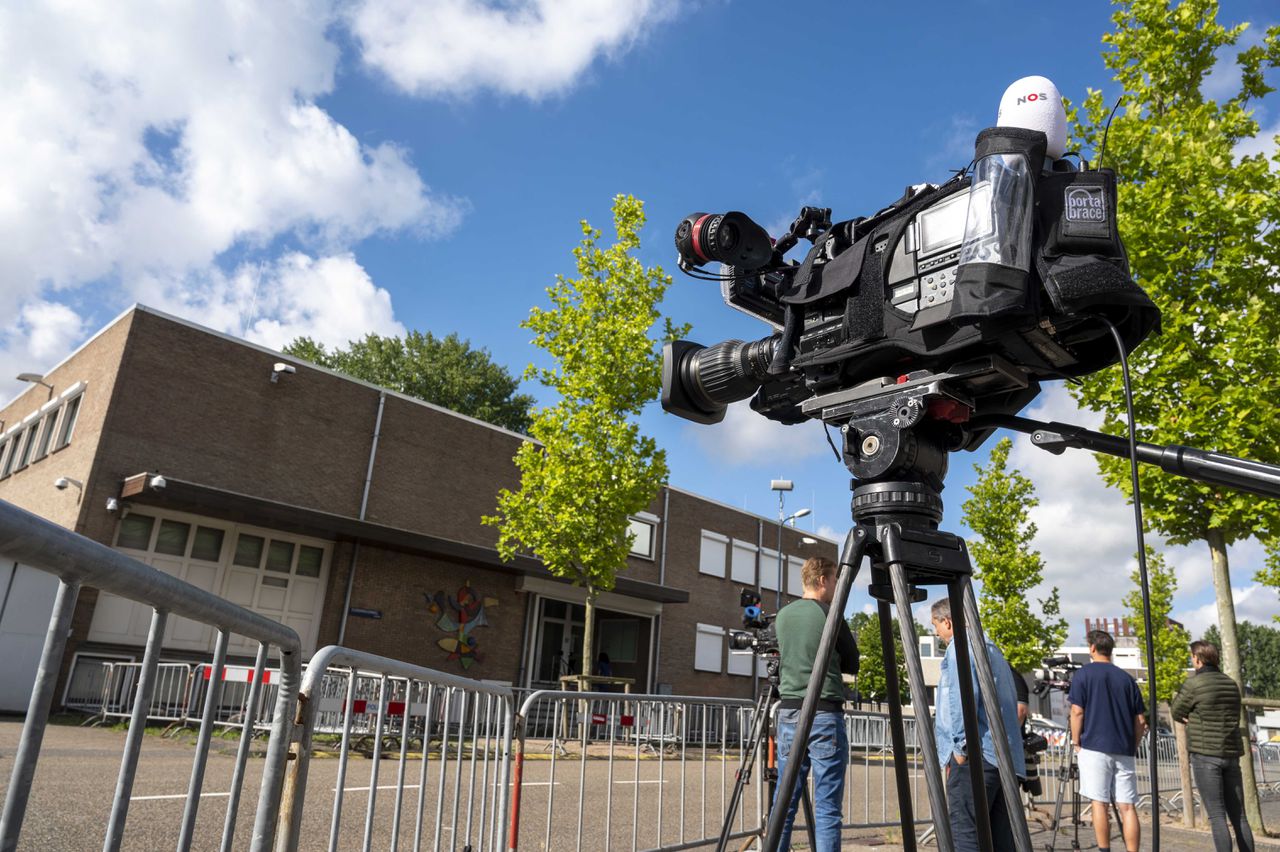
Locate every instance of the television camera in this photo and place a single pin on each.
(1056, 674)
(758, 634)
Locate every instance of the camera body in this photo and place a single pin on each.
(1056, 674)
(757, 635)
(1011, 266)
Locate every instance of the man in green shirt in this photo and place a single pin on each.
(799, 629)
(1209, 702)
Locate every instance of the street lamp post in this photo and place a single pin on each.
(782, 486)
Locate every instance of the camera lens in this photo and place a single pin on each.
(739, 641)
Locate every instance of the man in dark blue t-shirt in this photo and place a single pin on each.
(1107, 721)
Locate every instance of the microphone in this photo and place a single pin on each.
(1035, 103)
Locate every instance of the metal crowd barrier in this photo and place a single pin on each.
(170, 692)
(656, 772)
(77, 561)
(462, 726)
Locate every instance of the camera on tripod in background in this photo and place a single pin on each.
(757, 635)
(1056, 674)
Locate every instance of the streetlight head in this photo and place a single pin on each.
(802, 513)
(782, 485)
(30, 377)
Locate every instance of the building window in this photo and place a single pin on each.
(641, 532)
(713, 553)
(708, 649)
(740, 663)
(743, 569)
(71, 412)
(6, 456)
(620, 639)
(134, 532)
(28, 444)
(46, 435)
(769, 569)
(795, 581)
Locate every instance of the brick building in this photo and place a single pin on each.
(350, 513)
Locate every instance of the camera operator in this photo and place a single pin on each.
(799, 629)
(1108, 717)
(954, 749)
(1209, 702)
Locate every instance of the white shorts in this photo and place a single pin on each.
(1107, 777)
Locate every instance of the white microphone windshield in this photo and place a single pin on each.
(1036, 104)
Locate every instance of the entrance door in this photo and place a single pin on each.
(560, 626)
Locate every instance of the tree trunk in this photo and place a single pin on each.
(1184, 776)
(588, 628)
(1231, 666)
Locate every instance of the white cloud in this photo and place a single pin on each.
(745, 437)
(1223, 81)
(531, 48)
(1085, 530)
(1254, 603)
(1264, 143)
(154, 139)
(331, 299)
(37, 337)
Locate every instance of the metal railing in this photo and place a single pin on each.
(77, 561)
(656, 772)
(170, 691)
(463, 727)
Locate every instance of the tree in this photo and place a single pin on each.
(590, 467)
(1008, 566)
(1259, 657)
(872, 685)
(1170, 639)
(443, 371)
(1198, 216)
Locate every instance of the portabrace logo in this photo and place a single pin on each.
(1032, 98)
(1085, 204)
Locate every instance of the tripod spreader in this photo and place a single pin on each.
(1252, 477)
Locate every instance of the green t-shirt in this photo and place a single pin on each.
(799, 629)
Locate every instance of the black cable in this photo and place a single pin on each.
(1107, 130)
(831, 442)
(1153, 732)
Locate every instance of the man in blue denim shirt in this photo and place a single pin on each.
(953, 751)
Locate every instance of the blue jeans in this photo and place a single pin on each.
(827, 756)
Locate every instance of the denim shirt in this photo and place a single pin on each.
(949, 720)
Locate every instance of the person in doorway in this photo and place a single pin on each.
(1209, 704)
(1108, 719)
(955, 751)
(799, 629)
(604, 668)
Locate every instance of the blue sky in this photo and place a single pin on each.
(322, 169)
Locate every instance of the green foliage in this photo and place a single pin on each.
(872, 685)
(591, 467)
(1198, 222)
(1269, 574)
(1259, 655)
(1171, 639)
(1008, 566)
(443, 371)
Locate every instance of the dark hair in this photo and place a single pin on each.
(1101, 641)
(1206, 653)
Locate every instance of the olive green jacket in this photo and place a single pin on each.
(1209, 702)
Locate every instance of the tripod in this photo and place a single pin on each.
(761, 734)
(1072, 780)
(898, 458)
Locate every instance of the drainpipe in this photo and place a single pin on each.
(364, 505)
(662, 581)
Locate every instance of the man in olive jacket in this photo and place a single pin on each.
(1209, 702)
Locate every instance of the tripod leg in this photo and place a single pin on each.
(759, 726)
(897, 729)
(969, 710)
(991, 700)
(855, 545)
(924, 725)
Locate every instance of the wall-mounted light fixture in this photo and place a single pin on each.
(279, 368)
(36, 379)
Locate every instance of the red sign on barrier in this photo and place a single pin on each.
(597, 719)
(237, 674)
(628, 721)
